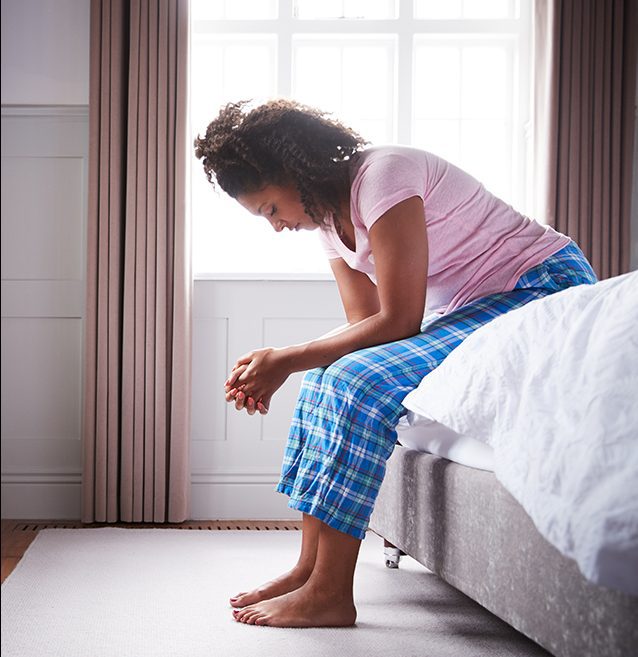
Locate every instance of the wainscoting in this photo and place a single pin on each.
(44, 200)
(235, 458)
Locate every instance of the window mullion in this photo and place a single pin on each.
(523, 86)
(404, 84)
(284, 48)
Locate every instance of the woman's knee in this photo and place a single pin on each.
(312, 377)
(311, 385)
(352, 374)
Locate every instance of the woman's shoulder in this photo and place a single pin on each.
(386, 175)
(392, 151)
(397, 160)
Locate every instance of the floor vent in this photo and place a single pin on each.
(37, 526)
(214, 525)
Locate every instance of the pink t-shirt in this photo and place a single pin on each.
(477, 244)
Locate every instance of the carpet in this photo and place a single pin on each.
(164, 593)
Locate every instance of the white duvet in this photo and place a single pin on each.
(553, 388)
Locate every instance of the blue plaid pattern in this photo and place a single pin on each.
(343, 428)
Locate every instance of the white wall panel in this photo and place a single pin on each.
(231, 500)
(41, 378)
(210, 367)
(44, 457)
(42, 209)
(44, 174)
(42, 298)
(37, 498)
(236, 477)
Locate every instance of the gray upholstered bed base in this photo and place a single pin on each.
(463, 525)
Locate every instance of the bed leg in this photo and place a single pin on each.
(392, 554)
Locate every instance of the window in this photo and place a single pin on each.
(450, 77)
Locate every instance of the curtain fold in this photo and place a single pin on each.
(585, 82)
(136, 423)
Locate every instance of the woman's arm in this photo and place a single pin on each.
(399, 246)
(360, 300)
(359, 295)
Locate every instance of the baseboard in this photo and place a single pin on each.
(239, 500)
(38, 497)
(59, 497)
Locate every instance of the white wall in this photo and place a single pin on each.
(45, 91)
(45, 52)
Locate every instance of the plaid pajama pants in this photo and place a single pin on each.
(343, 427)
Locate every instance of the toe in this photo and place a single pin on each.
(238, 600)
(239, 614)
(250, 617)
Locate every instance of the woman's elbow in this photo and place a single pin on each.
(404, 326)
(413, 327)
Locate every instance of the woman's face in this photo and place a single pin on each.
(280, 205)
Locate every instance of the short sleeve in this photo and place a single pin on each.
(326, 244)
(384, 180)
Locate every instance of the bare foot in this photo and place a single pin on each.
(287, 582)
(307, 606)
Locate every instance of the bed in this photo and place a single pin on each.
(515, 477)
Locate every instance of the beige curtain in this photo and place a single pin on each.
(137, 377)
(585, 56)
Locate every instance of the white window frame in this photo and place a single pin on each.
(405, 29)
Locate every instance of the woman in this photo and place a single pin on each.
(403, 230)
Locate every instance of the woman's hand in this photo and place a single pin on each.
(256, 377)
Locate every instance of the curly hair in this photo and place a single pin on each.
(281, 142)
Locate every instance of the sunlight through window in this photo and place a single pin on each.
(449, 77)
